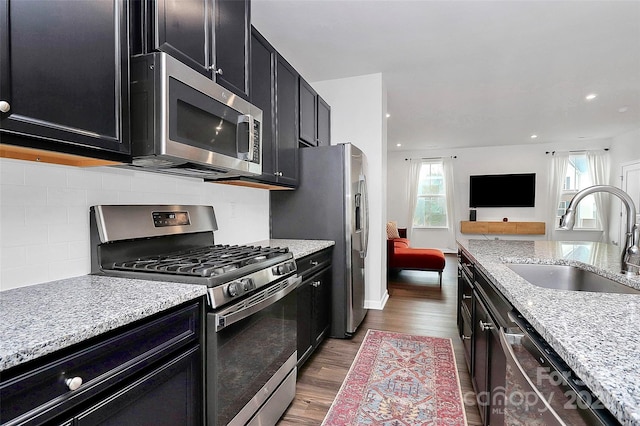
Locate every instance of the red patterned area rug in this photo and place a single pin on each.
(400, 380)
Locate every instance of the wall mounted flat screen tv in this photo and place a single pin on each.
(510, 190)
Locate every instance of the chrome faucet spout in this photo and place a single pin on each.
(632, 235)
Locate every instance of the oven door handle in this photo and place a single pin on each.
(234, 314)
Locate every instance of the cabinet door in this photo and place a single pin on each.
(286, 122)
(480, 363)
(232, 35)
(183, 30)
(324, 123)
(64, 73)
(321, 305)
(263, 96)
(169, 395)
(304, 300)
(496, 379)
(308, 114)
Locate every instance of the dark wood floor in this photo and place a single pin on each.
(416, 305)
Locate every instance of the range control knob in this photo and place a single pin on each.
(247, 284)
(233, 289)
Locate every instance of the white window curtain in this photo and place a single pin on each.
(599, 171)
(447, 165)
(557, 173)
(412, 192)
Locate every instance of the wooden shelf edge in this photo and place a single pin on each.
(43, 156)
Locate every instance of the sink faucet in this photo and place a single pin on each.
(632, 236)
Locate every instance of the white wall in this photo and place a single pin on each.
(625, 149)
(44, 214)
(528, 158)
(358, 110)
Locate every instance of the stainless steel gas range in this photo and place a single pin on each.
(251, 315)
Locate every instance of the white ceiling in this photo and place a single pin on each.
(474, 73)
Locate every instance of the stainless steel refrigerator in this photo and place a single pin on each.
(330, 203)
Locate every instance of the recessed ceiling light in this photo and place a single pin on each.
(534, 136)
(623, 109)
(388, 115)
(398, 144)
(591, 96)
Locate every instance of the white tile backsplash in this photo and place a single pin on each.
(44, 213)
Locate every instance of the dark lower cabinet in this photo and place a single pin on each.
(147, 373)
(64, 76)
(167, 396)
(314, 302)
(481, 313)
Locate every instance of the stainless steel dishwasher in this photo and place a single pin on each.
(541, 389)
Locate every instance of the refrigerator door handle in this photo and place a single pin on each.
(364, 211)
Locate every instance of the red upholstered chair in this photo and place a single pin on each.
(400, 255)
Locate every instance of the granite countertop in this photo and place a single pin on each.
(43, 318)
(597, 334)
(299, 248)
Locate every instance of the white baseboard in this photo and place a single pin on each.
(377, 304)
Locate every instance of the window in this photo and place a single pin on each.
(578, 177)
(431, 205)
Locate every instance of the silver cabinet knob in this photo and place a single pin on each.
(316, 283)
(465, 337)
(484, 326)
(314, 263)
(466, 296)
(277, 173)
(214, 69)
(73, 383)
(4, 106)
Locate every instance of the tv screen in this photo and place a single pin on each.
(511, 190)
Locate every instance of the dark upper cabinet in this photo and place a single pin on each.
(263, 63)
(324, 123)
(64, 76)
(274, 90)
(211, 36)
(182, 29)
(232, 46)
(286, 122)
(315, 117)
(308, 113)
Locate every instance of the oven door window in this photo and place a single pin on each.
(198, 120)
(242, 357)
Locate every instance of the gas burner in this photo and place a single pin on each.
(202, 262)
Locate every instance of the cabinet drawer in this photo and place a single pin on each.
(41, 392)
(466, 294)
(168, 395)
(313, 262)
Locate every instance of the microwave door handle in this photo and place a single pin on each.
(240, 141)
(511, 359)
(252, 138)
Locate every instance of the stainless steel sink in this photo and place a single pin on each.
(564, 277)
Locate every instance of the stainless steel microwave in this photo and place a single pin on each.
(184, 123)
